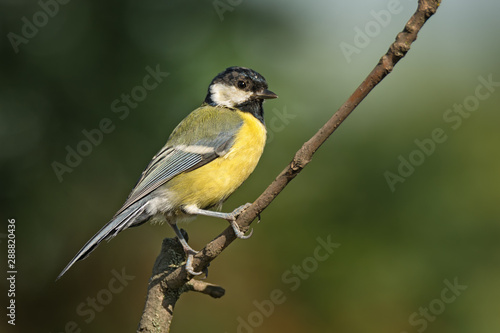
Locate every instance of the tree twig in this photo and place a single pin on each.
(206, 288)
(174, 280)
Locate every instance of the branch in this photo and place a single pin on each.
(161, 299)
(175, 280)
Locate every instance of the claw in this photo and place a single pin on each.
(242, 236)
(237, 230)
(205, 270)
(189, 265)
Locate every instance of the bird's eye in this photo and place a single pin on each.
(242, 84)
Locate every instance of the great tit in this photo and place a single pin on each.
(206, 158)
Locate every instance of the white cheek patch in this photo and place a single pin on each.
(228, 96)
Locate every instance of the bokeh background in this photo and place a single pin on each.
(397, 247)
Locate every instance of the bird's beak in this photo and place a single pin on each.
(265, 94)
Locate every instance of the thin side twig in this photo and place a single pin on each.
(206, 288)
(177, 278)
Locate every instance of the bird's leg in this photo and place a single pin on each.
(187, 249)
(230, 217)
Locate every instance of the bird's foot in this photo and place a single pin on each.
(232, 221)
(188, 250)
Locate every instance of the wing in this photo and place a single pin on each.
(206, 134)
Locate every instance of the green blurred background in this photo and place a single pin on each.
(397, 247)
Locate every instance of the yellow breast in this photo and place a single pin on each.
(216, 181)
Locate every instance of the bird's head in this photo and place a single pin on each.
(238, 87)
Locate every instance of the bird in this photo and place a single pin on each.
(207, 157)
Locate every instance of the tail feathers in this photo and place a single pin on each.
(132, 216)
